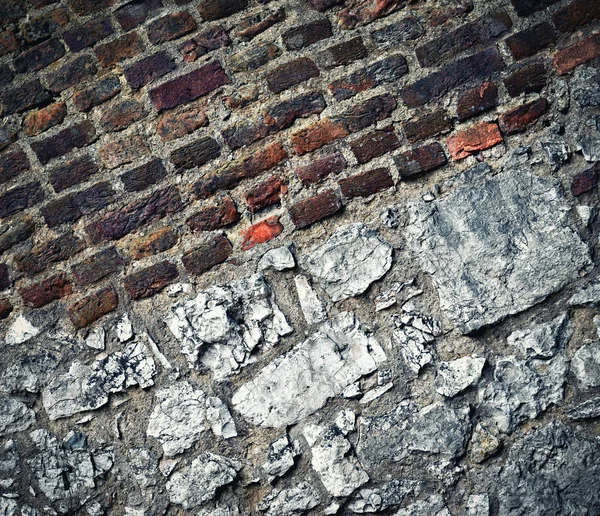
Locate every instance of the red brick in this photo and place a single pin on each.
(5, 308)
(366, 183)
(219, 214)
(5, 281)
(426, 126)
(91, 308)
(308, 34)
(292, 73)
(477, 100)
(342, 53)
(206, 41)
(73, 172)
(577, 54)
(313, 209)
(254, 57)
(23, 97)
(261, 232)
(586, 181)
(173, 126)
(375, 144)
(64, 141)
(171, 26)
(20, 198)
(577, 13)
(54, 251)
(126, 150)
(8, 42)
(217, 9)
(71, 73)
(145, 175)
(98, 266)
(475, 139)
(39, 56)
(154, 243)
(265, 194)
(121, 115)
(530, 41)
(260, 22)
(196, 154)
(249, 166)
(519, 119)
(151, 280)
(419, 160)
(317, 135)
(527, 7)
(43, 119)
(12, 164)
(365, 11)
(529, 79)
(320, 167)
(189, 87)
(88, 34)
(148, 69)
(18, 231)
(208, 255)
(51, 289)
(124, 47)
(135, 13)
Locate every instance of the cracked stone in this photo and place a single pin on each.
(312, 306)
(300, 382)
(351, 259)
(588, 139)
(290, 501)
(585, 87)
(21, 330)
(543, 340)
(224, 327)
(28, 370)
(557, 150)
(483, 444)
(15, 416)
(278, 259)
(144, 465)
(586, 365)
(124, 329)
(385, 496)
(589, 409)
(432, 506)
(96, 338)
(478, 505)
(280, 457)
(455, 376)
(219, 418)
(588, 294)
(491, 263)
(414, 334)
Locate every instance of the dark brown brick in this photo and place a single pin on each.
(5, 308)
(477, 67)
(173, 126)
(527, 7)
(154, 243)
(73, 172)
(104, 90)
(39, 57)
(308, 34)
(313, 209)
(189, 87)
(43, 293)
(258, 23)
(519, 119)
(40, 28)
(254, 57)
(586, 180)
(61, 210)
(342, 53)
(8, 42)
(419, 160)
(320, 167)
(43, 119)
(12, 164)
(124, 47)
(151, 280)
(116, 224)
(88, 34)
(529, 79)
(95, 198)
(145, 175)
(23, 97)
(5, 281)
(91, 308)
(366, 183)
(219, 214)
(261, 232)
(15, 232)
(98, 266)
(397, 33)
(208, 255)
(196, 154)
(171, 26)
(204, 42)
(71, 73)
(20, 198)
(477, 100)
(217, 9)
(265, 194)
(73, 206)
(454, 12)
(148, 69)
(375, 144)
(121, 115)
(135, 13)
(291, 73)
(323, 5)
(42, 255)
(577, 13)
(84, 7)
(530, 41)
(64, 141)
(6, 75)
(426, 125)
(125, 150)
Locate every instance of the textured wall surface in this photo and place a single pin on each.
(282, 257)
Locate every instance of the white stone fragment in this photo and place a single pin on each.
(291, 501)
(375, 393)
(278, 259)
(124, 328)
(382, 497)
(280, 457)
(432, 506)
(96, 338)
(585, 214)
(21, 330)
(586, 365)
(543, 340)
(413, 335)
(219, 418)
(455, 376)
(588, 294)
(15, 416)
(332, 508)
(312, 306)
(157, 353)
(478, 505)
(300, 382)
(347, 264)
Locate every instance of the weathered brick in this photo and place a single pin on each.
(61, 210)
(445, 13)
(88, 34)
(43, 293)
(314, 209)
(527, 7)
(98, 266)
(189, 87)
(39, 56)
(12, 163)
(135, 13)
(121, 115)
(519, 119)
(43, 119)
(273, 118)
(365, 11)
(265, 194)
(261, 232)
(342, 53)
(426, 126)
(529, 79)
(23, 97)
(419, 160)
(116, 224)
(291, 73)
(586, 180)
(477, 67)
(20, 198)
(171, 26)
(173, 126)
(218, 214)
(577, 13)
(12, 10)
(6, 75)
(42, 27)
(374, 144)
(474, 139)
(254, 57)
(323, 5)
(73, 172)
(321, 167)
(308, 34)
(5, 308)
(217, 9)
(258, 23)
(208, 255)
(124, 47)
(5, 280)
(72, 207)
(389, 69)
(397, 33)
(91, 308)
(84, 7)
(154, 243)
(15, 232)
(104, 90)
(76, 136)
(196, 154)
(249, 166)
(477, 100)
(151, 280)
(71, 73)
(145, 175)
(530, 41)
(43, 255)
(95, 198)
(577, 54)
(366, 183)
(126, 150)
(204, 42)
(8, 42)
(148, 69)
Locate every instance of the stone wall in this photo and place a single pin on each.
(279, 257)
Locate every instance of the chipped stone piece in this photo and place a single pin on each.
(588, 294)
(312, 306)
(586, 366)
(543, 340)
(96, 338)
(483, 444)
(15, 416)
(291, 501)
(432, 506)
(382, 497)
(219, 418)
(413, 335)
(587, 410)
(478, 505)
(21, 330)
(455, 376)
(375, 393)
(280, 457)
(124, 328)
(278, 259)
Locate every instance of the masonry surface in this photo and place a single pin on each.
(284, 257)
